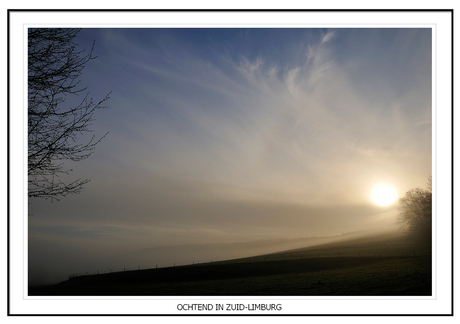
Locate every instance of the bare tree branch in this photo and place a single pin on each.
(54, 130)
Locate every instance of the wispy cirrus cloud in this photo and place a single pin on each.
(259, 124)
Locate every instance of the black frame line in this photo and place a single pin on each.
(9, 11)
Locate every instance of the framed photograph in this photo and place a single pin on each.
(230, 162)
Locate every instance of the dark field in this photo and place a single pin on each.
(383, 266)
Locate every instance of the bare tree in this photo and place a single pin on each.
(55, 128)
(415, 213)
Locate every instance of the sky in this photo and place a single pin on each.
(224, 136)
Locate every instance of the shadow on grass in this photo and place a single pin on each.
(331, 276)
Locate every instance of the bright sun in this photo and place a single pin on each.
(384, 195)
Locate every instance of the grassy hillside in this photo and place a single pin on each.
(379, 265)
(390, 244)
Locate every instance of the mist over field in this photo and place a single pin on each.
(56, 252)
(73, 262)
(231, 142)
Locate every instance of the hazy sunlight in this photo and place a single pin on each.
(383, 195)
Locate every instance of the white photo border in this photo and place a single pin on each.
(441, 23)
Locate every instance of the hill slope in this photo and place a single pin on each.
(384, 265)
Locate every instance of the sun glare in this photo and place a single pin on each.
(384, 195)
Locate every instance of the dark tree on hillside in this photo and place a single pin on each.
(55, 127)
(415, 213)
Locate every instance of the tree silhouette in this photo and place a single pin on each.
(54, 129)
(415, 213)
